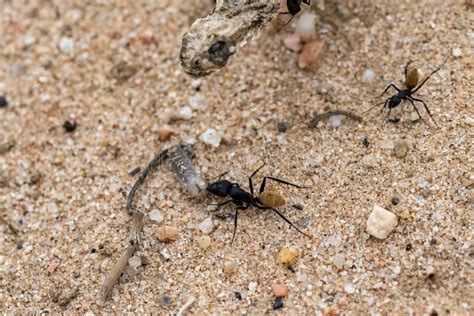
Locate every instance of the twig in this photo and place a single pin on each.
(319, 117)
(183, 308)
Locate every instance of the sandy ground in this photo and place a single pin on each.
(62, 195)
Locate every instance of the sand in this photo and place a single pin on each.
(112, 67)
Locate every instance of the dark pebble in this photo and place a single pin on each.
(408, 247)
(395, 200)
(70, 126)
(238, 296)
(394, 120)
(278, 303)
(366, 142)
(165, 299)
(282, 127)
(3, 101)
(298, 206)
(135, 171)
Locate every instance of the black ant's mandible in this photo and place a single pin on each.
(243, 199)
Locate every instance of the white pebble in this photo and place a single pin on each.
(135, 261)
(339, 260)
(211, 137)
(28, 40)
(252, 286)
(381, 222)
(414, 116)
(186, 112)
(457, 52)
(386, 144)
(205, 226)
(469, 121)
(306, 25)
(196, 83)
(52, 208)
(196, 101)
(335, 120)
(156, 216)
(349, 288)
(368, 75)
(66, 45)
(369, 161)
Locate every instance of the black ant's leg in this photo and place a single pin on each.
(284, 218)
(426, 107)
(384, 105)
(289, 19)
(262, 186)
(307, 2)
(376, 106)
(416, 109)
(223, 203)
(235, 220)
(250, 178)
(389, 111)
(388, 87)
(432, 73)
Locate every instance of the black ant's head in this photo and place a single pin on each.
(220, 188)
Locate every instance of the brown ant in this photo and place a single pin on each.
(411, 82)
(294, 7)
(243, 199)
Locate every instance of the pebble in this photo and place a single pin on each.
(196, 84)
(381, 222)
(156, 216)
(335, 120)
(400, 149)
(3, 101)
(167, 233)
(211, 137)
(293, 42)
(70, 126)
(66, 45)
(368, 75)
(186, 112)
(146, 37)
(312, 53)
(395, 200)
(386, 144)
(303, 222)
(467, 120)
(287, 255)
(457, 52)
(338, 260)
(196, 101)
(165, 133)
(369, 161)
(252, 286)
(135, 261)
(53, 264)
(123, 71)
(278, 303)
(280, 290)
(349, 288)
(205, 226)
(230, 267)
(282, 127)
(204, 242)
(405, 214)
(306, 25)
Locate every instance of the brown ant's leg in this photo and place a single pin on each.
(416, 109)
(388, 87)
(426, 107)
(250, 178)
(262, 186)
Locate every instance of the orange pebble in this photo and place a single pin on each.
(280, 290)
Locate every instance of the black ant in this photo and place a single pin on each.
(294, 7)
(411, 82)
(243, 199)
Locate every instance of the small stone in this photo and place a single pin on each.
(287, 255)
(280, 290)
(3, 101)
(165, 133)
(293, 42)
(338, 260)
(395, 200)
(230, 267)
(52, 208)
(66, 45)
(205, 226)
(122, 72)
(204, 242)
(53, 264)
(167, 233)
(282, 127)
(335, 120)
(467, 120)
(147, 37)
(303, 222)
(381, 222)
(368, 75)
(211, 137)
(312, 53)
(405, 214)
(70, 126)
(349, 288)
(306, 25)
(186, 112)
(401, 149)
(29, 40)
(196, 84)
(252, 286)
(196, 101)
(6, 146)
(369, 161)
(457, 52)
(135, 261)
(156, 216)
(278, 303)
(386, 144)
(414, 116)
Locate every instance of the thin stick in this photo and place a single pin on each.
(317, 118)
(183, 308)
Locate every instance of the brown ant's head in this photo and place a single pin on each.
(220, 188)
